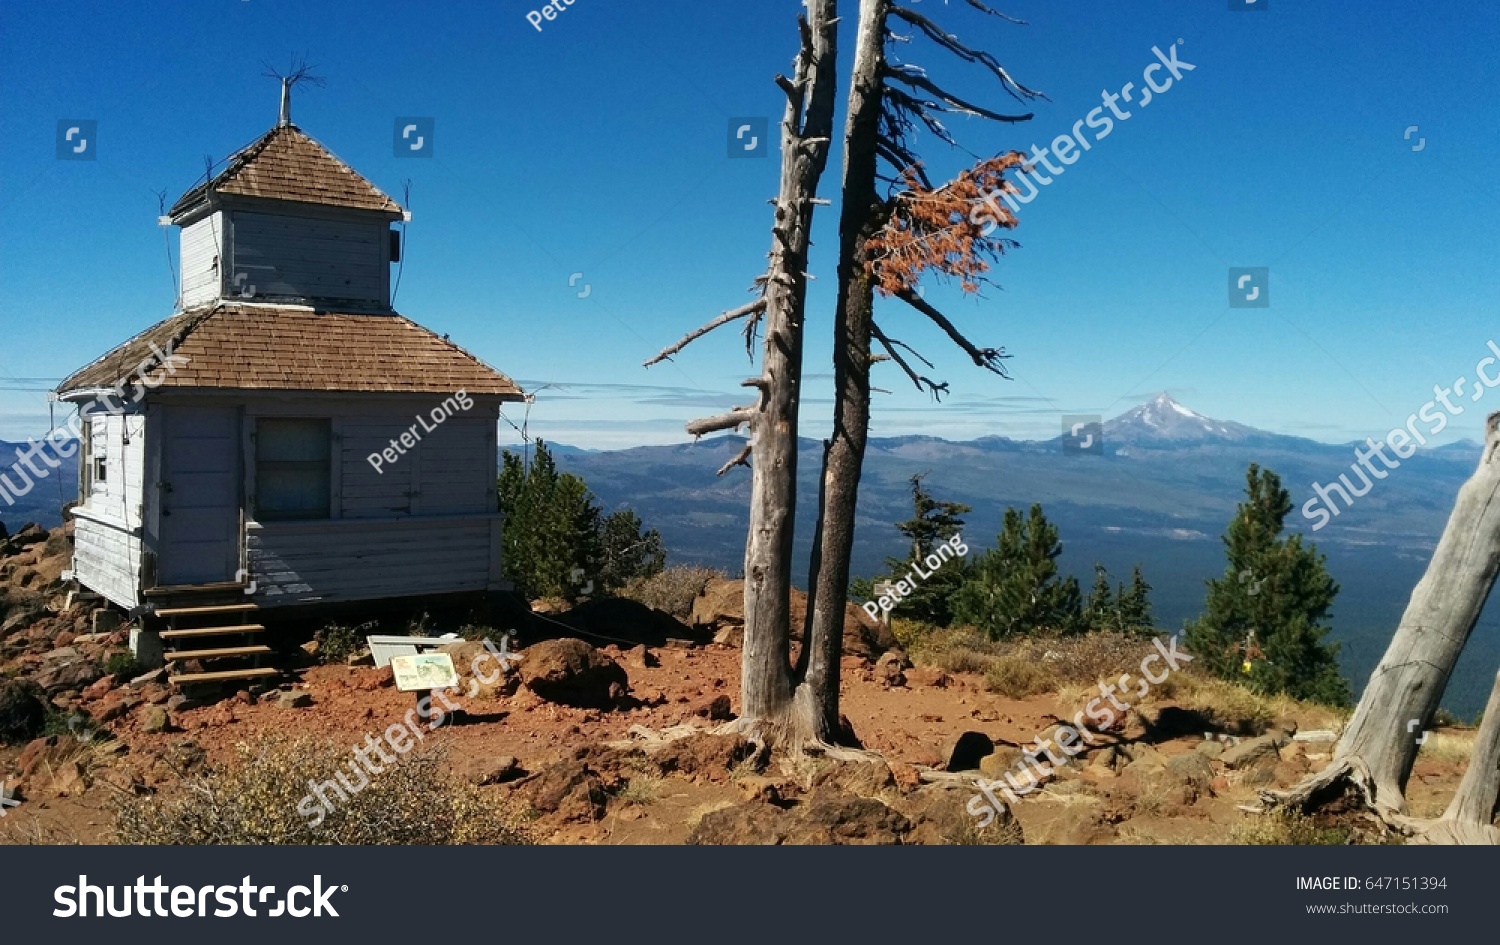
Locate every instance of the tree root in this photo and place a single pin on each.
(1336, 782)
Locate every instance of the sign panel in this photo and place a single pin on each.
(424, 671)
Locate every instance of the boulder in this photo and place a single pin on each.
(939, 815)
(59, 675)
(968, 750)
(23, 712)
(889, 670)
(569, 789)
(1253, 751)
(717, 709)
(1191, 769)
(825, 818)
(704, 756)
(154, 720)
(570, 672)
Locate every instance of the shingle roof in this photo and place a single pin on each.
(270, 347)
(285, 164)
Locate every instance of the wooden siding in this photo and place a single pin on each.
(358, 560)
(305, 257)
(106, 558)
(201, 278)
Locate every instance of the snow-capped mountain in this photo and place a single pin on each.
(1162, 421)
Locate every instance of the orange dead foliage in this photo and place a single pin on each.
(943, 229)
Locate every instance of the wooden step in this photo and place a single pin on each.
(257, 649)
(206, 611)
(223, 675)
(190, 632)
(187, 590)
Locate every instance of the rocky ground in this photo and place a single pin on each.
(605, 734)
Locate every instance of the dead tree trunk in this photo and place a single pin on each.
(1470, 818)
(1377, 750)
(862, 216)
(769, 711)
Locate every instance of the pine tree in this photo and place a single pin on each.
(1134, 605)
(628, 552)
(555, 540)
(1014, 589)
(1264, 620)
(1102, 611)
(933, 523)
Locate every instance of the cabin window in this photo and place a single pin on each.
(96, 466)
(292, 463)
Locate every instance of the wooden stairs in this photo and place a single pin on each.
(224, 638)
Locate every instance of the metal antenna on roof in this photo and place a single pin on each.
(299, 71)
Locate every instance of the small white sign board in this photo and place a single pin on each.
(384, 648)
(424, 671)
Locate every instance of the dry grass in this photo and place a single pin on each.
(1236, 709)
(672, 590)
(642, 790)
(1287, 828)
(260, 800)
(1454, 746)
(1018, 679)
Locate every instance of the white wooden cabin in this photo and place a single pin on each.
(244, 462)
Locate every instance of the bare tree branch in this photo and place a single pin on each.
(982, 8)
(732, 420)
(917, 80)
(754, 308)
(987, 358)
(921, 381)
(740, 459)
(967, 53)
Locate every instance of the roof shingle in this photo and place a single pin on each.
(286, 164)
(269, 347)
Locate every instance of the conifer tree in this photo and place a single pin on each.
(1014, 588)
(1265, 619)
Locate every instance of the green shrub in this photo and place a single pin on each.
(413, 802)
(123, 665)
(337, 642)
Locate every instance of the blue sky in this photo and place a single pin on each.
(598, 145)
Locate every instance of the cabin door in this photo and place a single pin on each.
(199, 495)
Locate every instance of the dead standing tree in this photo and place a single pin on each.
(769, 703)
(1375, 754)
(887, 244)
